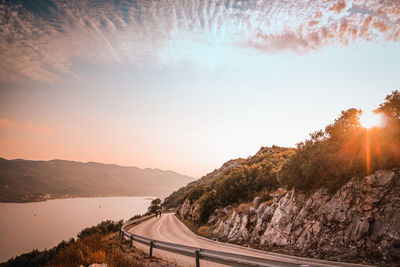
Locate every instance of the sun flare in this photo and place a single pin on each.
(370, 119)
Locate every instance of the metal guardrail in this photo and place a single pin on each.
(197, 253)
(141, 219)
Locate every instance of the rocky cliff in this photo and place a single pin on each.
(360, 222)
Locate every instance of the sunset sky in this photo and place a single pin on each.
(186, 85)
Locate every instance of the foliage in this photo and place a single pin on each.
(195, 193)
(265, 197)
(155, 205)
(243, 208)
(208, 205)
(391, 108)
(87, 249)
(177, 197)
(102, 228)
(205, 230)
(329, 158)
(156, 201)
(242, 183)
(345, 149)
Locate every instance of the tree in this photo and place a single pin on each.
(391, 108)
(345, 149)
(155, 205)
(349, 120)
(156, 201)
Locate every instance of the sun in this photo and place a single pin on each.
(370, 119)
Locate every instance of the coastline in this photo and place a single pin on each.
(59, 219)
(99, 244)
(26, 201)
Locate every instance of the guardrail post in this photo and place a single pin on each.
(197, 254)
(151, 248)
(130, 241)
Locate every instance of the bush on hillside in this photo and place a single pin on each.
(241, 184)
(87, 249)
(329, 158)
(102, 228)
(155, 205)
(195, 193)
(345, 149)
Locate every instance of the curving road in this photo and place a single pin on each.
(170, 229)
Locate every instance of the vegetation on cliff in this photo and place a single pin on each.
(345, 149)
(330, 158)
(235, 182)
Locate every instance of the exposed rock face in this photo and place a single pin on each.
(361, 220)
(188, 211)
(185, 208)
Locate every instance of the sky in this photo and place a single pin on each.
(186, 85)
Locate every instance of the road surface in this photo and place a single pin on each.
(170, 229)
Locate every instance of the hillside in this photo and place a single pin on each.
(335, 196)
(328, 159)
(236, 181)
(359, 223)
(26, 180)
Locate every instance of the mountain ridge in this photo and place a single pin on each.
(36, 180)
(95, 162)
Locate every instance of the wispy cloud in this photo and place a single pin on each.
(39, 40)
(25, 127)
(338, 6)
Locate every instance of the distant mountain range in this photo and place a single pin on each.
(28, 181)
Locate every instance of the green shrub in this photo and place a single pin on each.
(330, 158)
(102, 228)
(195, 193)
(345, 149)
(208, 205)
(243, 183)
(265, 197)
(155, 205)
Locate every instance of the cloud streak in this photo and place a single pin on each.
(25, 127)
(40, 40)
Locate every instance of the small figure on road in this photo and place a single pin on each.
(158, 213)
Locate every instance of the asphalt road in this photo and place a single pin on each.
(170, 229)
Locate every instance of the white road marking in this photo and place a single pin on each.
(158, 230)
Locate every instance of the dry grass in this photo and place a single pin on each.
(205, 230)
(243, 208)
(228, 214)
(189, 225)
(269, 202)
(279, 192)
(97, 249)
(88, 250)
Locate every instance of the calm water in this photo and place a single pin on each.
(40, 225)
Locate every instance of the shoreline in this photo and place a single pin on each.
(71, 197)
(53, 221)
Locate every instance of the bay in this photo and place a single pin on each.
(40, 225)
